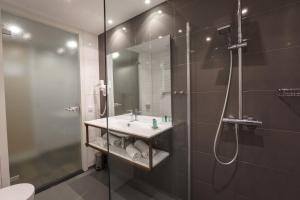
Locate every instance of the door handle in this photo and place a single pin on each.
(73, 109)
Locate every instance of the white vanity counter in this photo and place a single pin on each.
(140, 128)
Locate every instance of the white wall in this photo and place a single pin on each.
(89, 61)
(4, 169)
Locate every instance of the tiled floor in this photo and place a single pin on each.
(93, 185)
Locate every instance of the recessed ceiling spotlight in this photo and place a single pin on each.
(60, 50)
(180, 31)
(26, 36)
(14, 29)
(72, 44)
(159, 12)
(115, 55)
(110, 21)
(124, 29)
(147, 2)
(208, 39)
(244, 11)
(160, 37)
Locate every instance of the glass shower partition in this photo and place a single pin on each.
(42, 90)
(146, 75)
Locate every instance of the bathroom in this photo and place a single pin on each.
(149, 99)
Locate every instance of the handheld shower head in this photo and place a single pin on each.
(224, 30)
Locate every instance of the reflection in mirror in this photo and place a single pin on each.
(139, 79)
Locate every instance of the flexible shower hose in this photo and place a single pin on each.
(104, 111)
(221, 122)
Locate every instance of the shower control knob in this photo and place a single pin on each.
(175, 92)
(181, 92)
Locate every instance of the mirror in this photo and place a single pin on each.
(139, 78)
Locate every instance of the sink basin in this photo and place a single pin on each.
(141, 128)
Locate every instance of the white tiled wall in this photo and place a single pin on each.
(89, 60)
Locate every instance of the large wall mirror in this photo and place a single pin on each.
(139, 78)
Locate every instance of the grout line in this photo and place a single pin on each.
(244, 162)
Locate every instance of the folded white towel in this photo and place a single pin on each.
(144, 148)
(113, 140)
(101, 142)
(133, 152)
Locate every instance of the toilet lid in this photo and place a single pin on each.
(17, 192)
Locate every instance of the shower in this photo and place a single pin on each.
(226, 30)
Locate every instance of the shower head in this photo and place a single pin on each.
(224, 30)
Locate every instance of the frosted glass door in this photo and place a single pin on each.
(42, 90)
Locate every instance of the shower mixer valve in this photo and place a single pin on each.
(237, 46)
(246, 121)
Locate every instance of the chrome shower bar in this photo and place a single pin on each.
(240, 63)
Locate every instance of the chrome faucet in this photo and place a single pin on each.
(134, 114)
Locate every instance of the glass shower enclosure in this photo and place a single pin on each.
(42, 90)
(147, 84)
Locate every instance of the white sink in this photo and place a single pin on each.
(142, 127)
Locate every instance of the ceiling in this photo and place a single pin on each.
(84, 15)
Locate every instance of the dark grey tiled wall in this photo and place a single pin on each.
(268, 166)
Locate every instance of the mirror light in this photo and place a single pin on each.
(110, 21)
(244, 11)
(72, 44)
(60, 50)
(26, 36)
(208, 39)
(115, 55)
(14, 29)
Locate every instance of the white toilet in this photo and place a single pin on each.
(22, 191)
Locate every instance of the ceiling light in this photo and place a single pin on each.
(180, 31)
(159, 12)
(124, 28)
(14, 29)
(115, 55)
(244, 11)
(208, 39)
(26, 36)
(147, 2)
(110, 21)
(72, 44)
(60, 50)
(160, 37)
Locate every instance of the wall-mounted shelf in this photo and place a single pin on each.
(288, 92)
(136, 130)
(159, 157)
